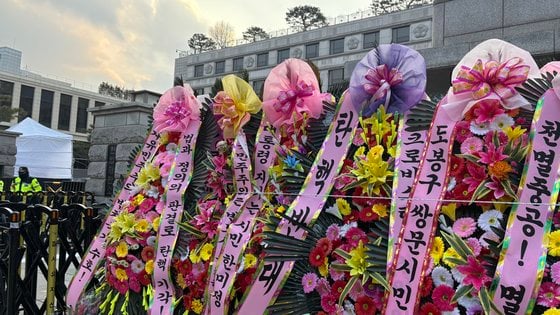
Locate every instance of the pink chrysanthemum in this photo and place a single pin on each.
(474, 244)
(549, 295)
(555, 272)
(333, 232)
(309, 282)
(328, 303)
(471, 145)
(464, 227)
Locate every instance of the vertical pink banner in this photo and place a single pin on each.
(168, 231)
(239, 231)
(96, 251)
(217, 290)
(524, 254)
(420, 219)
(411, 146)
(306, 207)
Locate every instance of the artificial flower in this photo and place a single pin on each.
(121, 274)
(309, 282)
(429, 309)
(206, 251)
(149, 267)
(357, 261)
(343, 206)
(514, 133)
(442, 296)
(197, 306)
(149, 173)
(437, 249)
(464, 227)
(176, 108)
(490, 219)
(554, 243)
(450, 253)
(479, 129)
(501, 122)
(471, 145)
(475, 273)
(555, 272)
(380, 209)
(317, 257)
(442, 276)
(328, 303)
(486, 111)
(364, 306)
(137, 266)
(552, 311)
(549, 295)
(250, 260)
(122, 250)
(462, 131)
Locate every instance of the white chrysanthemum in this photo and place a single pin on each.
(440, 275)
(152, 192)
(452, 183)
(457, 275)
(468, 301)
(151, 241)
(334, 211)
(346, 227)
(501, 121)
(490, 218)
(479, 129)
(137, 266)
(455, 311)
(490, 236)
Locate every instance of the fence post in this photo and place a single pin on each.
(13, 263)
(51, 280)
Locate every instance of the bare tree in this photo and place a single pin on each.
(305, 17)
(255, 33)
(388, 6)
(200, 42)
(223, 34)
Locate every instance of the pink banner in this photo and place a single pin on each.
(177, 184)
(96, 251)
(419, 223)
(217, 284)
(524, 253)
(239, 232)
(410, 148)
(307, 205)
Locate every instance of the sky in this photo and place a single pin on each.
(131, 43)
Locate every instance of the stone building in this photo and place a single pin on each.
(442, 32)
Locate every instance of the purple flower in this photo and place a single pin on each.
(555, 272)
(309, 282)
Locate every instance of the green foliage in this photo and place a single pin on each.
(305, 17)
(7, 113)
(255, 33)
(108, 89)
(200, 42)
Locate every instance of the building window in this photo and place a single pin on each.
(64, 112)
(401, 34)
(198, 70)
(283, 55)
(262, 60)
(45, 110)
(258, 86)
(220, 67)
(99, 104)
(26, 102)
(337, 46)
(110, 170)
(371, 40)
(238, 64)
(6, 91)
(198, 92)
(336, 76)
(312, 50)
(81, 118)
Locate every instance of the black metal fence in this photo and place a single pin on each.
(42, 237)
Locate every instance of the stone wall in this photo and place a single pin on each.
(8, 152)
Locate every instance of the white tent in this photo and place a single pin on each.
(46, 152)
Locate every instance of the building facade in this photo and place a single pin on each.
(54, 104)
(442, 32)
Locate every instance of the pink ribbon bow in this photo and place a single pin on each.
(491, 77)
(292, 98)
(380, 80)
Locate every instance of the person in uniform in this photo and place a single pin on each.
(25, 183)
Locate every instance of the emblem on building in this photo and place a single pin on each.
(352, 43)
(420, 30)
(249, 62)
(297, 53)
(208, 69)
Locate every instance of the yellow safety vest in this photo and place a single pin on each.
(19, 186)
(1, 185)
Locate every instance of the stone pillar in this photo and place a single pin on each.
(8, 152)
(119, 128)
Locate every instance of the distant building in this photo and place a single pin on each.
(53, 103)
(442, 32)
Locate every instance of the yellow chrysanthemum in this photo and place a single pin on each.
(250, 261)
(155, 223)
(380, 209)
(116, 233)
(281, 209)
(194, 256)
(149, 267)
(181, 281)
(450, 253)
(552, 311)
(196, 306)
(142, 226)
(137, 200)
(147, 174)
(324, 268)
(122, 250)
(437, 250)
(360, 152)
(554, 243)
(206, 251)
(343, 206)
(121, 274)
(357, 261)
(512, 133)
